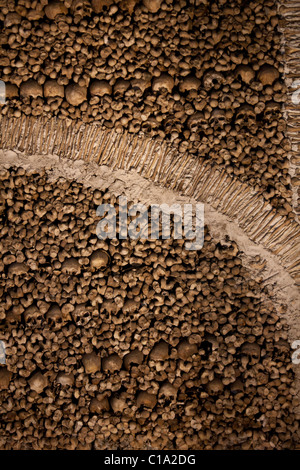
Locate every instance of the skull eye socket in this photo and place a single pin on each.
(167, 400)
(133, 364)
(54, 321)
(83, 319)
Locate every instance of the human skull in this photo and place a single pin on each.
(70, 266)
(212, 79)
(81, 8)
(99, 259)
(160, 351)
(112, 363)
(245, 73)
(52, 89)
(75, 94)
(147, 400)
(215, 387)
(185, 350)
(252, 352)
(172, 124)
(118, 404)
(140, 85)
(167, 393)
(149, 125)
(98, 5)
(189, 83)
(38, 382)
(54, 317)
(120, 87)
(218, 119)
(12, 319)
(109, 306)
(98, 406)
(196, 121)
(237, 387)
(81, 314)
(91, 363)
(65, 380)
(152, 5)
(17, 269)
(245, 116)
(100, 88)
(163, 82)
(54, 8)
(5, 377)
(134, 358)
(267, 74)
(33, 316)
(271, 113)
(12, 19)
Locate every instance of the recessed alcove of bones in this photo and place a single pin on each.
(214, 326)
